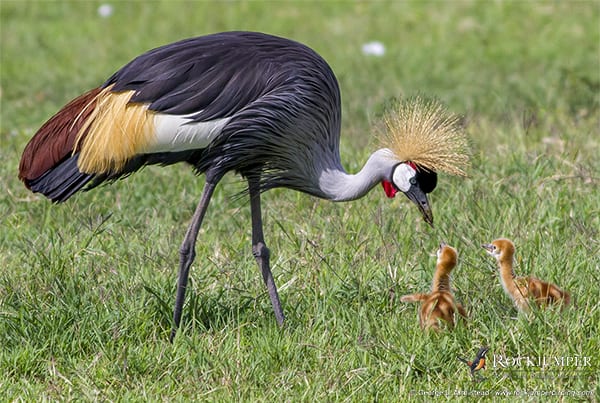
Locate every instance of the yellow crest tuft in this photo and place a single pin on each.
(425, 133)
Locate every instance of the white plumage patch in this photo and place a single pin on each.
(180, 133)
(402, 176)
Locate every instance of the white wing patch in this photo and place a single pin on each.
(180, 133)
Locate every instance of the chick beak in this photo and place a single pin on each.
(417, 196)
(489, 248)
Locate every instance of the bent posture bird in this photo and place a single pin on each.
(478, 362)
(439, 305)
(265, 107)
(523, 290)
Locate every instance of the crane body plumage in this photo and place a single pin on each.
(248, 102)
(265, 107)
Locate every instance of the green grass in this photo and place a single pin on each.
(86, 288)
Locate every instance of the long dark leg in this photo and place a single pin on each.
(187, 253)
(260, 250)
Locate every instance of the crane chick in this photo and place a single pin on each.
(523, 289)
(439, 304)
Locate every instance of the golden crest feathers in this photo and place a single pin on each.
(424, 132)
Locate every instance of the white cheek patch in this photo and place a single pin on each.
(494, 252)
(402, 176)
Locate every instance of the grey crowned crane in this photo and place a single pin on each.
(263, 106)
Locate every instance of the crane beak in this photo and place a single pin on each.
(417, 196)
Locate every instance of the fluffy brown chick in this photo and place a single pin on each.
(523, 290)
(439, 304)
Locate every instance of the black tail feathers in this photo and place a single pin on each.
(65, 179)
(60, 182)
(463, 360)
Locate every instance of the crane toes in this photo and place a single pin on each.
(260, 251)
(261, 254)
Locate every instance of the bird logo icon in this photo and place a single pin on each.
(477, 363)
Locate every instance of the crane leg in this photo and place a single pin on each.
(260, 250)
(187, 252)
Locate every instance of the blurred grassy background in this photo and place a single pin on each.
(86, 288)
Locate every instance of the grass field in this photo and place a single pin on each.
(86, 288)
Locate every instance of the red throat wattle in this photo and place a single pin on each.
(389, 188)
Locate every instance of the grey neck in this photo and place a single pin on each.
(337, 185)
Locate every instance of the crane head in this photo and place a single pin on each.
(415, 183)
(501, 248)
(447, 256)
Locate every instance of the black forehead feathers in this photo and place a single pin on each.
(427, 179)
